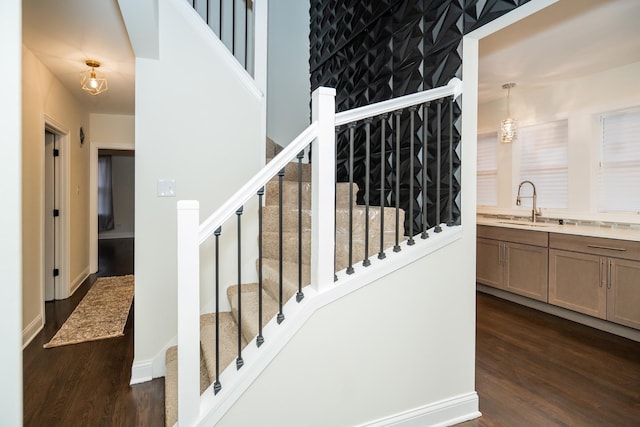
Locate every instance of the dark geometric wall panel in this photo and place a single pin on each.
(374, 50)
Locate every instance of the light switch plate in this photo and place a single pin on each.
(166, 188)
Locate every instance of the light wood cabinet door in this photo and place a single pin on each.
(623, 293)
(577, 281)
(525, 270)
(488, 262)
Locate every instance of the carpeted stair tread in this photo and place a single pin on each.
(271, 277)
(290, 194)
(291, 172)
(171, 384)
(290, 218)
(228, 341)
(250, 308)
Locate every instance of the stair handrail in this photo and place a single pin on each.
(248, 190)
(453, 88)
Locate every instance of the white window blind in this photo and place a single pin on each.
(488, 169)
(619, 177)
(543, 161)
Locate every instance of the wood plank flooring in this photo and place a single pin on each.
(88, 384)
(535, 369)
(532, 369)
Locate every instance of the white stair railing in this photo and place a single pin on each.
(192, 233)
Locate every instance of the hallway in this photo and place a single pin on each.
(88, 384)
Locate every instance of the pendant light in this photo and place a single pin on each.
(91, 80)
(509, 125)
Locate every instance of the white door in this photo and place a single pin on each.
(51, 215)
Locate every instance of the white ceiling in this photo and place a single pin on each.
(565, 40)
(65, 33)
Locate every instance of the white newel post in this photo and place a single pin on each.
(188, 312)
(323, 167)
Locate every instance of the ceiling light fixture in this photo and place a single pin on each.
(92, 81)
(509, 125)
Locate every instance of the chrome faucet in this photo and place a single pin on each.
(534, 212)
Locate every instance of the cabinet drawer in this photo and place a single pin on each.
(527, 237)
(596, 245)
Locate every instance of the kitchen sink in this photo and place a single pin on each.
(525, 224)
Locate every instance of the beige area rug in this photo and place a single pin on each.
(101, 314)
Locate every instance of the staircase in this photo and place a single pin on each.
(229, 321)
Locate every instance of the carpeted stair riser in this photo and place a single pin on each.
(291, 173)
(171, 383)
(270, 246)
(290, 218)
(250, 308)
(228, 341)
(290, 194)
(271, 278)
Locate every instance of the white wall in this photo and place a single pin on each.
(197, 122)
(580, 101)
(288, 81)
(43, 96)
(10, 214)
(123, 181)
(401, 343)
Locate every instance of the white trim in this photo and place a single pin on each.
(594, 322)
(64, 264)
(148, 369)
(141, 371)
(95, 147)
(443, 413)
(214, 407)
(454, 87)
(30, 332)
(118, 235)
(79, 279)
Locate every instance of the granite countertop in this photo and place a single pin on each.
(580, 228)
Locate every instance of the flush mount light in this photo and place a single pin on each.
(509, 125)
(91, 80)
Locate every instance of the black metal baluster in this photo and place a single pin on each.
(246, 33)
(216, 385)
(412, 111)
(207, 20)
(367, 172)
(260, 338)
(335, 216)
(396, 247)
(280, 316)
(438, 165)
(352, 128)
(233, 27)
(300, 295)
(239, 361)
(425, 137)
(450, 221)
(383, 179)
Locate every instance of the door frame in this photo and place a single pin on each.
(96, 146)
(62, 291)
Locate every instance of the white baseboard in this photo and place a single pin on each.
(80, 278)
(438, 414)
(30, 332)
(146, 370)
(117, 235)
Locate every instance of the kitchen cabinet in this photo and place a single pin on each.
(513, 260)
(596, 276)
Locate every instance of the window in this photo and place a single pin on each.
(488, 169)
(619, 175)
(543, 161)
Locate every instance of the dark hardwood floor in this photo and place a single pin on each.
(535, 369)
(88, 384)
(532, 369)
